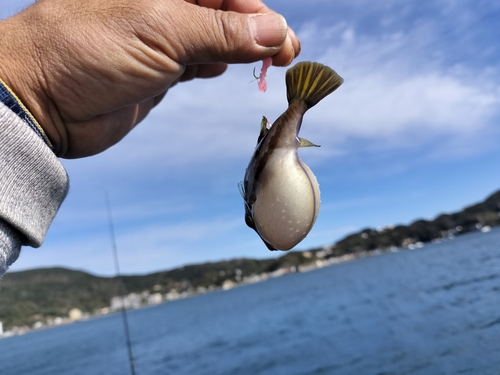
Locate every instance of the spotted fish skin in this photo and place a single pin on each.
(281, 193)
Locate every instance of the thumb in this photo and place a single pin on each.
(211, 36)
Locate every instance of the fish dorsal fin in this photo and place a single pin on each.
(263, 128)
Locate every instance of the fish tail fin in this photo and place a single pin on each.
(309, 82)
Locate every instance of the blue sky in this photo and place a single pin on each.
(412, 133)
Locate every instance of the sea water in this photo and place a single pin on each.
(433, 310)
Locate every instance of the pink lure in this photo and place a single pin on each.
(266, 63)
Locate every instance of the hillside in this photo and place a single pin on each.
(470, 219)
(41, 294)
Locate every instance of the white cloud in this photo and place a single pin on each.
(379, 106)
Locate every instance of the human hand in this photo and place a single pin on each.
(90, 70)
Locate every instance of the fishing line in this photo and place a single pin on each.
(121, 286)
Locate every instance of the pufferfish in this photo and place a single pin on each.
(281, 193)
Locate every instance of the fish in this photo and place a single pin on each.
(281, 194)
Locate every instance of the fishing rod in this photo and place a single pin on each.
(121, 286)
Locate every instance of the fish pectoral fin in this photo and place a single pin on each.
(241, 188)
(248, 211)
(263, 128)
(305, 143)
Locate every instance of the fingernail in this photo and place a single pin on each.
(269, 30)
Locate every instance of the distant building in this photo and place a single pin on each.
(228, 284)
(172, 295)
(132, 301)
(103, 311)
(155, 298)
(116, 303)
(201, 289)
(1, 328)
(75, 314)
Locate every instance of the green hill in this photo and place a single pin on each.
(30, 296)
(470, 219)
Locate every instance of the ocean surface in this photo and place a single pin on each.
(432, 310)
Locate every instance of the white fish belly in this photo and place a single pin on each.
(287, 202)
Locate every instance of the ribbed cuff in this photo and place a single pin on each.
(10, 246)
(33, 183)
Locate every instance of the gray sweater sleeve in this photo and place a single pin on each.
(33, 184)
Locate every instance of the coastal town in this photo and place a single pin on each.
(155, 297)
